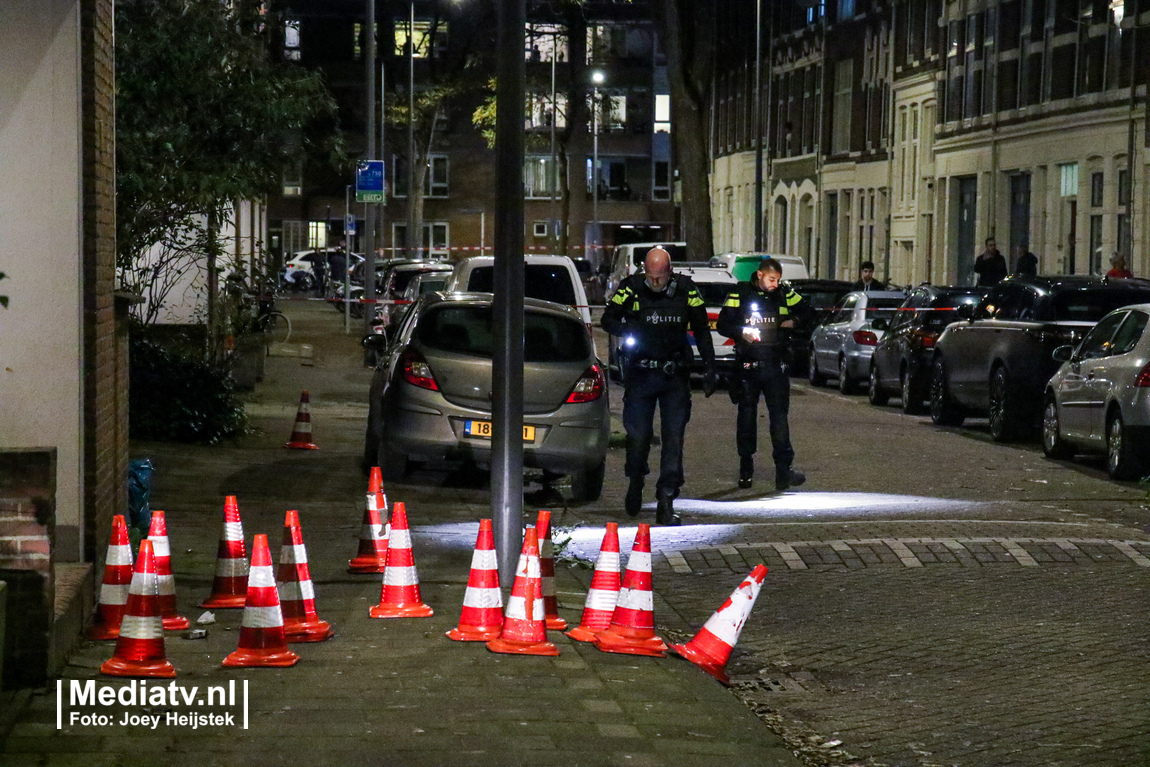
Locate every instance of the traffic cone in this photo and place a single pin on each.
(262, 640)
(301, 432)
(524, 625)
(114, 587)
(547, 569)
(632, 628)
(297, 595)
(230, 585)
(482, 614)
(140, 646)
(399, 597)
(375, 531)
(158, 535)
(604, 591)
(711, 647)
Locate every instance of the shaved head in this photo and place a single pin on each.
(657, 268)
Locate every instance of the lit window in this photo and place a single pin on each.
(539, 177)
(291, 40)
(429, 39)
(1068, 175)
(539, 111)
(317, 234)
(293, 180)
(545, 42)
(662, 113)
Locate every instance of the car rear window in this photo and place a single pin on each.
(882, 307)
(469, 330)
(547, 282)
(1093, 304)
(942, 310)
(714, 293)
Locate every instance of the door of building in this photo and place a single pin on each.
(967, 234)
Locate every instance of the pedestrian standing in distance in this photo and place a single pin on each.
(1025, 262)
(866, 281)
(651, 313)
(758, 315)
(1118, 268)
(990, 266)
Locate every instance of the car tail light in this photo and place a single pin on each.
(865, 338)
(1143, 378)
(416, 371)
(589, 387)
(925, 338)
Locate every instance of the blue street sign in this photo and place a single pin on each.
(369, 181)
(349, 225)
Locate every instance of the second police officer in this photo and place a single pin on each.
(651, 312)
(758, 315)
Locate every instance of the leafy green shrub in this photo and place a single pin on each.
(177, 396)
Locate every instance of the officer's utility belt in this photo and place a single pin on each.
(756, 364)
(670, 367)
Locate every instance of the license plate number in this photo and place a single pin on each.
(482, 429)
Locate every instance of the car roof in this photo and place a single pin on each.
(483, 299)
(1048, 282)
(528, 258)
(427, 266)
(706, 273)
(878, 294)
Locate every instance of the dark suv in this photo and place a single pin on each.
(821, 296)
(997, 362)
(901, 362)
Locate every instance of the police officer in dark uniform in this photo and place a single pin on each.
(651, 312)
(758, 315)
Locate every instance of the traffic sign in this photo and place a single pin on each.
(349, 224)
(369, 181)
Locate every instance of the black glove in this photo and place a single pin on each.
(710, 382)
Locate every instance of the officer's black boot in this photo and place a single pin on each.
(786, 478)
(746, 470)
(665, 513)
(634, 500)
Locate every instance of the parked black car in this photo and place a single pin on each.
(998, 361)
(822, 296)
(900, 365)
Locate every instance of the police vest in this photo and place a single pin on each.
(658, 329)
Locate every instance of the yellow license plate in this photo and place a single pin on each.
(482, 429)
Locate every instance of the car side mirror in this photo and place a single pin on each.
(375, 342)
(879, 323)
(1063, 353)
(966, 311)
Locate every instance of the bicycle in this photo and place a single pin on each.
(273, 323)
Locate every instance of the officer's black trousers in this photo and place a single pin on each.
(769, 380)
(645, 389)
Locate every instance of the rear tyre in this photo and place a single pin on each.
(911, 394)
(1052, 443)
(944, 411)
(588, 485)
(875, 392)
(1004, 407)
(814, 377)
(846, 383)
(1121, 459)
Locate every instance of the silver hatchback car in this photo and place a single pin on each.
(431, 393)
(1099, 400)
(841, 347)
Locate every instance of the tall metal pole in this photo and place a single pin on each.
(507, 367)
(1131, 144)
(595, 168)
(412, 236)
(552, 175)
(758, 129)
(368, 239)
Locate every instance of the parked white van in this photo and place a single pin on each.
(628, 259)
(743, 265)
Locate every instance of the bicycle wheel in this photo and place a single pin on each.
(278, 328)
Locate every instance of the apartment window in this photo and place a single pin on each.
(662, 113)
(545, 42)
(317, 234)
(291, 40)
(902, 160)
(846, 9)
(436, 240)
(661, 181)
(430, 40)
(541, 111)
(540, 179)
(844, 92)
(293, 180)
(914, 151)
(1068, 179)
(1096, 190)
(606, 41)
(1096, 259)
(435, 179)
(1123, 238)
(1123, 187)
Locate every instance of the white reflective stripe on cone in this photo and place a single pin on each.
(484, 559)
(142, 627)
(143, 587)
(119, 556)
(640, 561)
(231, 567)
(296, 591)
(263, 617)
(233, 531)
(600, 599)
(113, 593)
(160, 547)
(483, 598)
(633, 599)
(609, 561)
(293, 555)
(400, 576)
(371, 532)
(165, 585)
(261, 577)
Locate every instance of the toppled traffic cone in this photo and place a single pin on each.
(262, 641)
(140, 646)
(230, 586)
(301, 432)
(524, 626)
(297, 595)
(547, 571)
(399, 597)
(632, 629)
(604, 591)
(114, 588)
(712, 646)
(482, 614)
(158, 535)
(375, 531)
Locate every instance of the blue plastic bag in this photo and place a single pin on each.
(139, 492)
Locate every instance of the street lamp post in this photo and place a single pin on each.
(552, 175)
(758, 126)
(411, 233)
(597, 77)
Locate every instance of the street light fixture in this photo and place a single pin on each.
(598, 78)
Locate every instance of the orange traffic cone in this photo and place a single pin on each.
(262, 640)
(604, 591)
(230, 586)
(297, 595)
(140, 646)
(301, 432)
(711, 647)
(524, 626)
(547, 569)
(399, 597)
(632, 628)
(375, 532)
(114, 588)
(158, 535)
(482, 614)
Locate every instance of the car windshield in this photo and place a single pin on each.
(547, 282)
(1093, 305)
(403, 276)
(882, 307)
(430, 286)
(714, 293)
(469, 330)
(942, 310)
